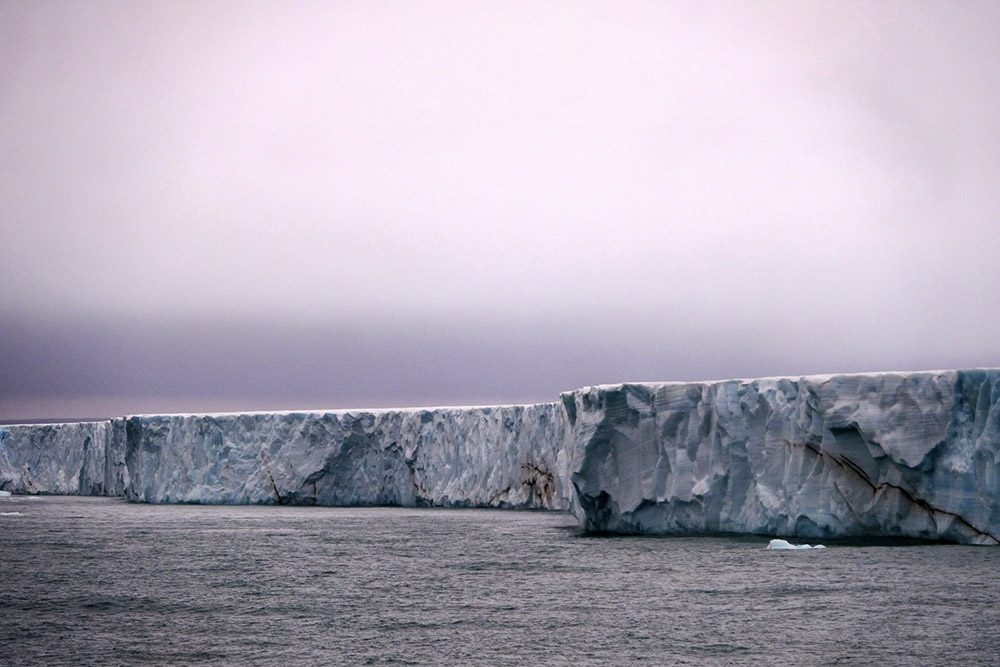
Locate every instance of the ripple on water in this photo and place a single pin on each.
(98, 581)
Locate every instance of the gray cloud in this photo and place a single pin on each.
(260, 205)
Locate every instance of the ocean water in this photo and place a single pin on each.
(100, 581)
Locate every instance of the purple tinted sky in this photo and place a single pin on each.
(238, 205)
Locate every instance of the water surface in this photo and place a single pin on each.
(101, 581)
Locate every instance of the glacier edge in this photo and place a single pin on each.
(880, 454)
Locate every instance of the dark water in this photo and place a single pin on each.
(99, 581)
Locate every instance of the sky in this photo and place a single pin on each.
(221, 206)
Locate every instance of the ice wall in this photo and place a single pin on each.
(914, 455)
(508, 456)
(889, 454)
(85, 458)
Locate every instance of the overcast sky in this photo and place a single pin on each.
(273, 205)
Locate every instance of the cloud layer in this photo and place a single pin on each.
(449, 202)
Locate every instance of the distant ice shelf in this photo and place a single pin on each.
(83, 458)
(883, 454)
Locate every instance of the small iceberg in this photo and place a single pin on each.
(4, 494)
(11, 514)
(783, 544)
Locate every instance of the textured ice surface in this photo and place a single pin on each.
(889, 454)
(86, 458)
(786, 545)
(912, 455)
(508, 456)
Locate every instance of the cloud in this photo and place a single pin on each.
(812, 185)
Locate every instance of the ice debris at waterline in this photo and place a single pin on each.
(883, 454)
(785, 545)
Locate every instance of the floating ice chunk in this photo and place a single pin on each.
(784, 544)
(11, 514)
(4, 494)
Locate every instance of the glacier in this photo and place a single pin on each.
(881, 454)
(83, 458)
(503, 456)
(884, 454)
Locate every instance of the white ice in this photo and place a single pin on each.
(784, 544)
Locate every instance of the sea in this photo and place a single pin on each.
(99, 581)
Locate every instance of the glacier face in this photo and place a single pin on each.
(506, 456)
(914, 455)
(889, 454)
(83, 458)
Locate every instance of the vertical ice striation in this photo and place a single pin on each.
(913, 455)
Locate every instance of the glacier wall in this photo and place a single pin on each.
(914, 455)
(83, 458)
(507, 456)
(888, 454)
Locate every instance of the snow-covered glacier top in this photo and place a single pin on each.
(824, 456)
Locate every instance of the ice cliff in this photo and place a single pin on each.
(507, 456)
(889, 454)
(915, 455)
(85, 458)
